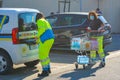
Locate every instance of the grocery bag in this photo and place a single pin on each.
(94, 45)
(75, 43)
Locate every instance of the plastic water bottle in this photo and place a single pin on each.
(78, 59)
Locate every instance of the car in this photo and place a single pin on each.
(68, 24)
(17, 38)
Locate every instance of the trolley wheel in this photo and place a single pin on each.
(76, 65)
(102, 64)
(83, 66)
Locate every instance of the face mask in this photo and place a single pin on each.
(91, 17)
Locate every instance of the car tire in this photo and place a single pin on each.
(32, 63)
(6, 64)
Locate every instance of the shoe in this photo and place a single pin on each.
(103, 60)
(49, 70)
(44, 74)
(93, 61)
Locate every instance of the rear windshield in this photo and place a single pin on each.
(26, 21)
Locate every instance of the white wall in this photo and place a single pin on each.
(45, 6)
(110, 9)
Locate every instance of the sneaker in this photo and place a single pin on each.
(49, 70)
(44, 74)
(103, 60)
(93, 61)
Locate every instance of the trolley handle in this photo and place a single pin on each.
(97, 31)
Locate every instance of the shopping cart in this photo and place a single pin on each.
(83, 44)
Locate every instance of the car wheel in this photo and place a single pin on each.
(32, 63)
(6, 64)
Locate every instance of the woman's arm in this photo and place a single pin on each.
(101, 28)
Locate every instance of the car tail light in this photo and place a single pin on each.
(15, 39)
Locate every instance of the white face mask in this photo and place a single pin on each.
(92, 17)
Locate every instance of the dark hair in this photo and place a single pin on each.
(97, 9)
(39, 16)
(52, 13)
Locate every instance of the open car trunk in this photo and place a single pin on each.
(27, 29)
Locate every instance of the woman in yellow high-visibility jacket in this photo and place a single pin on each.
(45, 40)
(96, 24)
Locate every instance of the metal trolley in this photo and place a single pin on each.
(82, 44)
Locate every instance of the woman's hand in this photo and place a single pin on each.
(101, 29)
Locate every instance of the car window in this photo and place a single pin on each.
(6, 20)
(78, 19)
(26, 21)
(52, 20)
(63, 20)
(28, 17)
(57, 20)
(3, 20)
(66, 20)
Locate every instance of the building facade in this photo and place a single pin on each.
(45, 6)
(0, 3)
(110, 8)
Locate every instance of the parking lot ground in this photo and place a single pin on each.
(61, 64)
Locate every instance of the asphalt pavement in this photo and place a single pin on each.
(110, 72)
(63, 68)
(115, 45)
